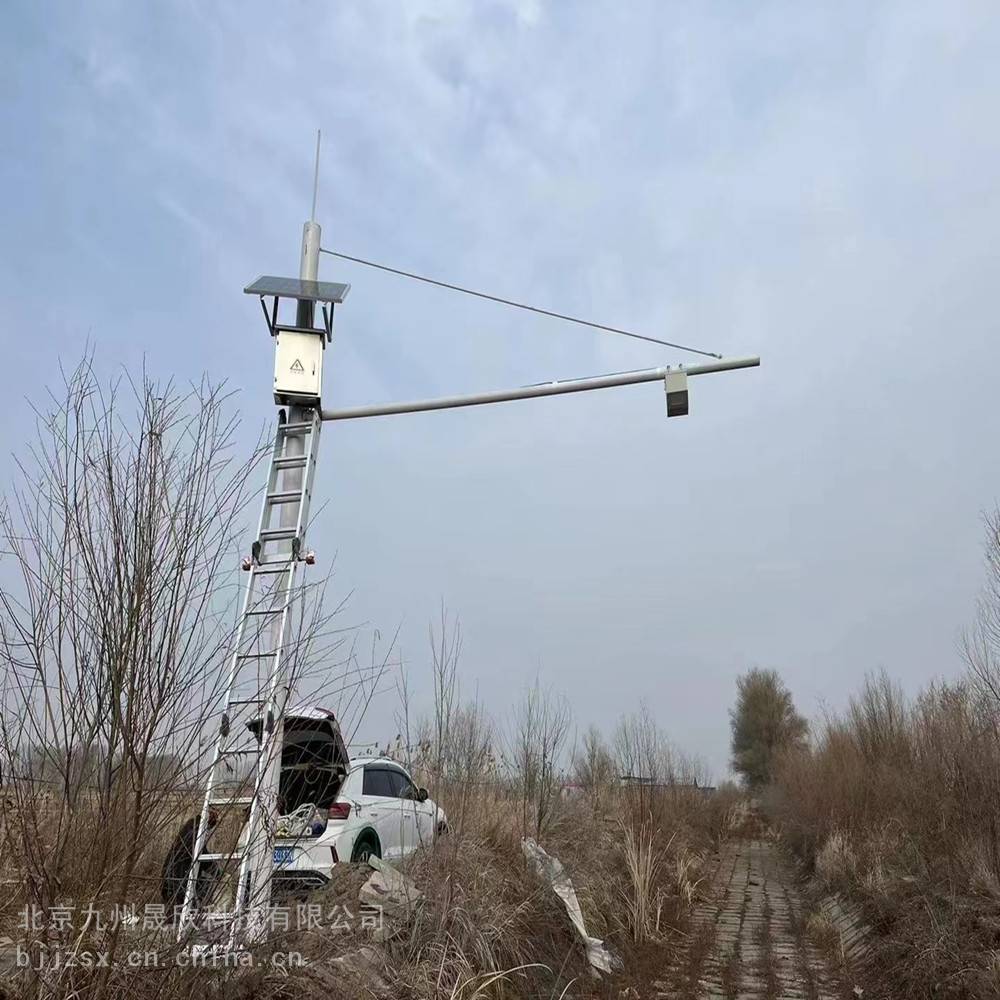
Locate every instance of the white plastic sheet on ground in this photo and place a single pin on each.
(552, 871)
(389, 889)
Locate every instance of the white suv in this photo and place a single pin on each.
(363, 805)
(378, 810)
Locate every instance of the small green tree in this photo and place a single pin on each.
(764, 722)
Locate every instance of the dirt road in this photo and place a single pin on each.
(748, 939)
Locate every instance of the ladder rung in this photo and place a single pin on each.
(277, 534)
(269, 611)
(240, 800)
(218, 857)
(290, 461)
(254, 656)
(285, 496)
(236, 751)
(271, 568)
(245, 701)
(300, 427)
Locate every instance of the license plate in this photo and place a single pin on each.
(283, 855)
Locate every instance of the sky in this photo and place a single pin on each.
(814, 183)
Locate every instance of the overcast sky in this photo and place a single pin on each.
(817, 184)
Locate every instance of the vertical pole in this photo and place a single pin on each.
(295, 443)
(312, 213)
(305, 312)
(304, 315)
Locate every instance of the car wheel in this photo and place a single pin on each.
(365, 848)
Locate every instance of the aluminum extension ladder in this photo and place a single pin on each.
(258, 683)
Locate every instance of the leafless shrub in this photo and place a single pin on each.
(594, 770)
(122, 538)
(451, 749)
(446, 649)
(898, 802)
(641, 749)
(656, 780)
(122, 532)
(536, 742)
(836, 863)
(981, 643)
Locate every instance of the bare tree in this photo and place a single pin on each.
(122, 533)
(539, 730)
(594, 766)
(641, 749)
(118, 604)
(453, 747)
(446, 649)
(981, 643)
(653, 773)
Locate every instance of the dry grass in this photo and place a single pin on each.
(488, 926)
(485, 913)
(641, 892)
(898, 804)
(635, 877)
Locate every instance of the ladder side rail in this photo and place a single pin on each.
(201, 836)
(253, 884)
(257, 864)
(302, 520)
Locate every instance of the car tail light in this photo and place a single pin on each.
(339, 810)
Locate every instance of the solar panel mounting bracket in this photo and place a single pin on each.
(327, 293)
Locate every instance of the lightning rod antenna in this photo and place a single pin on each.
(312, 215)
(309, 260)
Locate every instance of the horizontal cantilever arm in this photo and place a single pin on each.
(533, 391)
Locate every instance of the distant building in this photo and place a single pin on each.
(647, 782)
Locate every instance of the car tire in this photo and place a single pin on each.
(442, 828)
(366, 846)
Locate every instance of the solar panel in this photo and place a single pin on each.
(297, 288)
